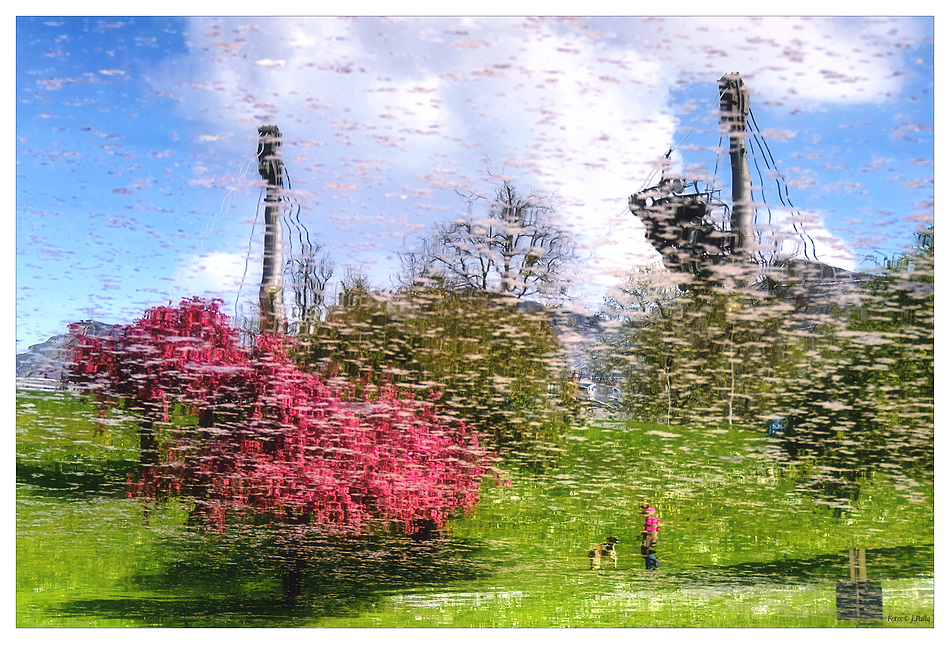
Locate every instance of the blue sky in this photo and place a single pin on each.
(136, 178)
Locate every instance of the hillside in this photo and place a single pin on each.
(45, 360)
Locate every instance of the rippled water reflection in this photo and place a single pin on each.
(323, 275)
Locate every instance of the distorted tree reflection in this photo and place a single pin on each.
(309, 272)
(849, 377)
(512, 247)
(272, 442)
(496, 365)
(704, 357)
(859, 394)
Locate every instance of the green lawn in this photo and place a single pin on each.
(741, 544)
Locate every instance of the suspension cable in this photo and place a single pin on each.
(247, 257)
(682, 139)
(780, 183)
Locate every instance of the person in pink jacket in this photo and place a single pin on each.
(649, 536)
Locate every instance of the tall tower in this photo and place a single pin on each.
(734, 112)
(273, 314)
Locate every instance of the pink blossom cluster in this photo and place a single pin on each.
(274, 440)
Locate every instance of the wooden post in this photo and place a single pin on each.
(858, 599)
(273, 316)
(859, 569)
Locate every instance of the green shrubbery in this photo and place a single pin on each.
(860, 393)
(705, 358)
(849, 372)
(493, 364)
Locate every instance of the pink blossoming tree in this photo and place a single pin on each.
(271, 440)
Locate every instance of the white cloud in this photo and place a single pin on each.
(219, 275)
(800, 60)
(383, 117)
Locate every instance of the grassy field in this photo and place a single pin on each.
(742, 545)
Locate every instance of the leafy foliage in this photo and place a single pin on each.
(275, 441)
(851, 378)
(861, 393)
(704, 357)
(496, 366)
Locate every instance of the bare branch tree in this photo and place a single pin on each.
(512, 249)
(309, 272)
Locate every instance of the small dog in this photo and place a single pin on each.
(602, 550)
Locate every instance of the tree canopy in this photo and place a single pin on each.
(849, 378)
(272, 440)
(496, 366)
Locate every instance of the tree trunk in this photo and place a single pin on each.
(294, 556)
(148, 443)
